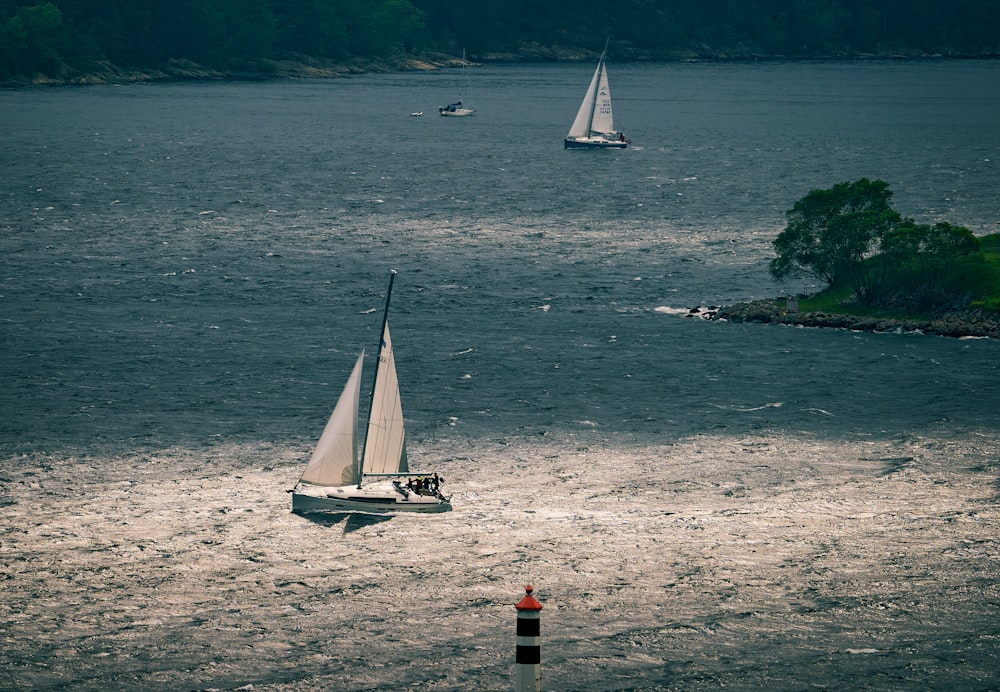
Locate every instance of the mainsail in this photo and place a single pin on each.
(603, 121)
(385, 445)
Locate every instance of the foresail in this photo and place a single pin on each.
(335, 457)
(581, 125)
(603, 120)
(385, 444)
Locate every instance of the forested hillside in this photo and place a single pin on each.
(62, 37)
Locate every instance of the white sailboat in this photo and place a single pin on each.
(339, 479)
(594, 126)
(463, 107)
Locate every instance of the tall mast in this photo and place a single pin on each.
(597, 87)
(378, 359)
(468, 81)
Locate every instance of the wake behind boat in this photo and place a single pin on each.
(594, 126)
(337, 479)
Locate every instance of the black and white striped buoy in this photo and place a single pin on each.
(528, 668)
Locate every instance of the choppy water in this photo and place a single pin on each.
(189, 270)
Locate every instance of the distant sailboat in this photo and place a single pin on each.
(462, 107)
(594, 126)
(338, 479)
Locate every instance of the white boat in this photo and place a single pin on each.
(456, 110)
(460, 108)
(594, 126)
(338, 479)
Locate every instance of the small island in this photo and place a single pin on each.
(883, 272)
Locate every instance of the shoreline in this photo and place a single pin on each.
(301, 67)
(965, 324)
(306, 67)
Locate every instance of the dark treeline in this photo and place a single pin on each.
(48, 37)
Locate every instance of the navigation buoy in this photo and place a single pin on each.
(528, 668)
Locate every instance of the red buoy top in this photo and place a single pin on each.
(528, 602)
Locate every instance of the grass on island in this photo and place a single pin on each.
(976, 276)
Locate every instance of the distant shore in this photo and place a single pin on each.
(306, 67)
(186, 71)
(971, 323)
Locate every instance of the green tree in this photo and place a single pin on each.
(13, 47)
(379, 28)
(922, 261)
(310, 27)
(249, 30)
(39, 37)
(832, 235)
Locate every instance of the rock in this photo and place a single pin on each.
(954, 324)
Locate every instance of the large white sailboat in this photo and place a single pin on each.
(463, 107)
(340, 479)
(594, 125)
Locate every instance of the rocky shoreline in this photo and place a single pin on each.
(970, 323)
(300, 67)
(292, 67)
(308, 67)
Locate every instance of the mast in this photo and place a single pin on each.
(593, 99)
(378, 358)
(597, 77)
(468, 81)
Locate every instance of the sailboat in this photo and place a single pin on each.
(594, 126)
(340, 479)
(460, 108)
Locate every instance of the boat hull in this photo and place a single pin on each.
(458, 113)
(366, 500)
(594, 143)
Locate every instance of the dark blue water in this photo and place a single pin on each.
(190, 263)
(188, 271)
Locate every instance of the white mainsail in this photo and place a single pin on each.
(595, 109)
(603, 120)
(334, 460)
(385, 444)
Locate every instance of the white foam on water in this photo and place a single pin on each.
(705, 562)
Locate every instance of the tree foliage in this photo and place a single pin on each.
(850, 236)
(832, 235)
(38, 36)
(922, 258)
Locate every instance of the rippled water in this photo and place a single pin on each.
(189, 270)
(196, 260)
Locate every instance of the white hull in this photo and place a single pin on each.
(457, 113)
(594, 143)
(378, 499)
